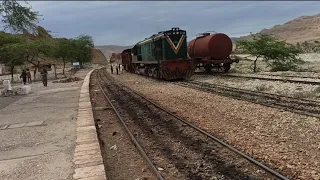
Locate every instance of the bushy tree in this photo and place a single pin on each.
(17, 49)
(82, 46)
(64, 49)
(10, 50)
(17, 17)
(283, 57)
(277, 54)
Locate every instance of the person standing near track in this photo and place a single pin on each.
(44, 74)
(111, 69)
(28, 76)
(24, 76)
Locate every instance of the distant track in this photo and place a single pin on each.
(292, 76)
(274, 79)
(297, 105)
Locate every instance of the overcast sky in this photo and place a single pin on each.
(127, 22)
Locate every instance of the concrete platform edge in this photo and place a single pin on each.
(87, 165)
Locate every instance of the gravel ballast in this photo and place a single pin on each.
(286, 141)
(275, 87)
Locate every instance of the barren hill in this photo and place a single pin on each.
(107, 50)
(304, 28)
(98, 57)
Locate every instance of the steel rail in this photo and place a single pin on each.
(250, 159)
(273, 79)
(134, 140)
(274, 75)
(292, 76)
(315, 102)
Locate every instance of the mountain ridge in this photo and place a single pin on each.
(300, 29)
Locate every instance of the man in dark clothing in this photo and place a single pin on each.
(28, 76)
(44, 74)
(24, 76)
(111, 69)
(117, 69)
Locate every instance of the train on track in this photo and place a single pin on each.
(167, 55)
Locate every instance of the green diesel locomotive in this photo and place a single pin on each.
(163, 55)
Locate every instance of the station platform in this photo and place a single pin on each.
(48, 134)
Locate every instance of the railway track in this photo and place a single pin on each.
(275, 79)
(292, 76)
(181, 149)
(300, 106)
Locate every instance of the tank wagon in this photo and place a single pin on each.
(163, 55)
(211, 50)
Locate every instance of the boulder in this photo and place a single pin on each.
(23, 89)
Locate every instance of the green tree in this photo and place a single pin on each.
(82, 49)
(37, 49)
(64, 49)
(10, 50)
(283, 57)
(257, 48)
(17, 17)
(277, 54)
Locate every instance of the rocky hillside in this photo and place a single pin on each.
(98, 57)
(301, 29)
(107, 50)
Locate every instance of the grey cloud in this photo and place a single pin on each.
(125, 23)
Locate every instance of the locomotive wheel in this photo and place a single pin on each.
(155, 73)
(150, 72)
(226, 67)
(137, 70)
(208, 68)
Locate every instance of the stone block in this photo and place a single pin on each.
(87, 172)
(94, 159)
(95, 178)
(87, 147)
(22, 90)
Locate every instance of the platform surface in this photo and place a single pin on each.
(38, 132)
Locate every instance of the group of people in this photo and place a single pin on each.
(26, 76)
(117, 68)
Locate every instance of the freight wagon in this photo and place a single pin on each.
(211, 50)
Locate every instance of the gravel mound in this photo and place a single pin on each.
(68, 80)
